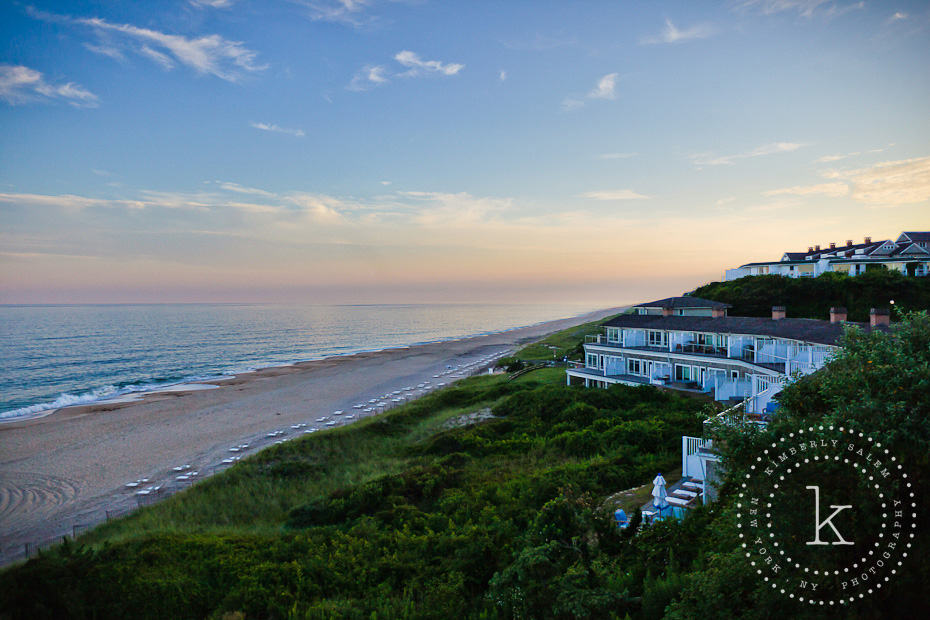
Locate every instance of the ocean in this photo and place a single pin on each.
(59, 355)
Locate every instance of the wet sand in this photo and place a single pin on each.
(62, 472)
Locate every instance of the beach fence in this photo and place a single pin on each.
(26, 550)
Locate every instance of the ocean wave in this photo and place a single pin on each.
(97, 395)
(65, 400)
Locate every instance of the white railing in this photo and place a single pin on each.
(691, 447)
(725, 389)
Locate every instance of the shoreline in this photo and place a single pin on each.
(140, 394)
(67, 471)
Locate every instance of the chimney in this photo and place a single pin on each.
(817, 248)
(778, 313)
(868, 239)
(810, 249)
(718, 313)
(838, 314)
(879, 316)
(832, 245)
(848, 242)
(666, 311)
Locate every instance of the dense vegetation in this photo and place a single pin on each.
(500, 518)
(812, 297)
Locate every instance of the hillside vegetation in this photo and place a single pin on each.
(812, 297)
(403, 515)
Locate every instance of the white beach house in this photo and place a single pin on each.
(691, 344)
(908, 254)
(688, 343)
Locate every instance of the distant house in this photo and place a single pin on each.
(908, 254)
(682, 306)
(745, 361)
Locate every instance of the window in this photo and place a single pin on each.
(591, 361)
(657, 338)
(613, 334)
(636, 367)
(734, 374)
(682, 373)
(722, 341)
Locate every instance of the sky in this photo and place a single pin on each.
(392, 151)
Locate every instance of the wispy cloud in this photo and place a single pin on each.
(368, 77)
(215, 4)
(158, 57)
(673, 34)
(905, 181)
(242, 189)
(614, 194)
(889, 183)
(834, 190)
(371, 76)
(20, 84)
(616, 155)
(709, 159)
(837, 157)
(106, 50)
(299, 133)
(604, 89)
(346, 12)
(897, 16)
(417, 66)
(502, 75)
(207, 55)
(441, 209)
(804, 8)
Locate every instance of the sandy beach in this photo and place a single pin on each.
(61, 473)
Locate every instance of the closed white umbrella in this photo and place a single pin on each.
(658, 492)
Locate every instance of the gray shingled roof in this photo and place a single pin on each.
(918, 236)
(683, 302)
(808, 330)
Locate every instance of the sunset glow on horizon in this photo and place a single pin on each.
(388, 152)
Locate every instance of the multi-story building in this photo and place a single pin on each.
(691, 344)
(908, 254)
(687, 343)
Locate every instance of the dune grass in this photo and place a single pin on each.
(257, 493)
(563, 343)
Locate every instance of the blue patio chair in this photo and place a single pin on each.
(621, 518)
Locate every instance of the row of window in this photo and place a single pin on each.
(659, 338)
(640, 368)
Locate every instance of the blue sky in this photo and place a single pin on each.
(367, 151)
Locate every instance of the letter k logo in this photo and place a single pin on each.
(818, 524)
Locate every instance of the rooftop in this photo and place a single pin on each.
(807, 330)
(683, 302)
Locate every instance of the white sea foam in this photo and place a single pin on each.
(65, 400)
